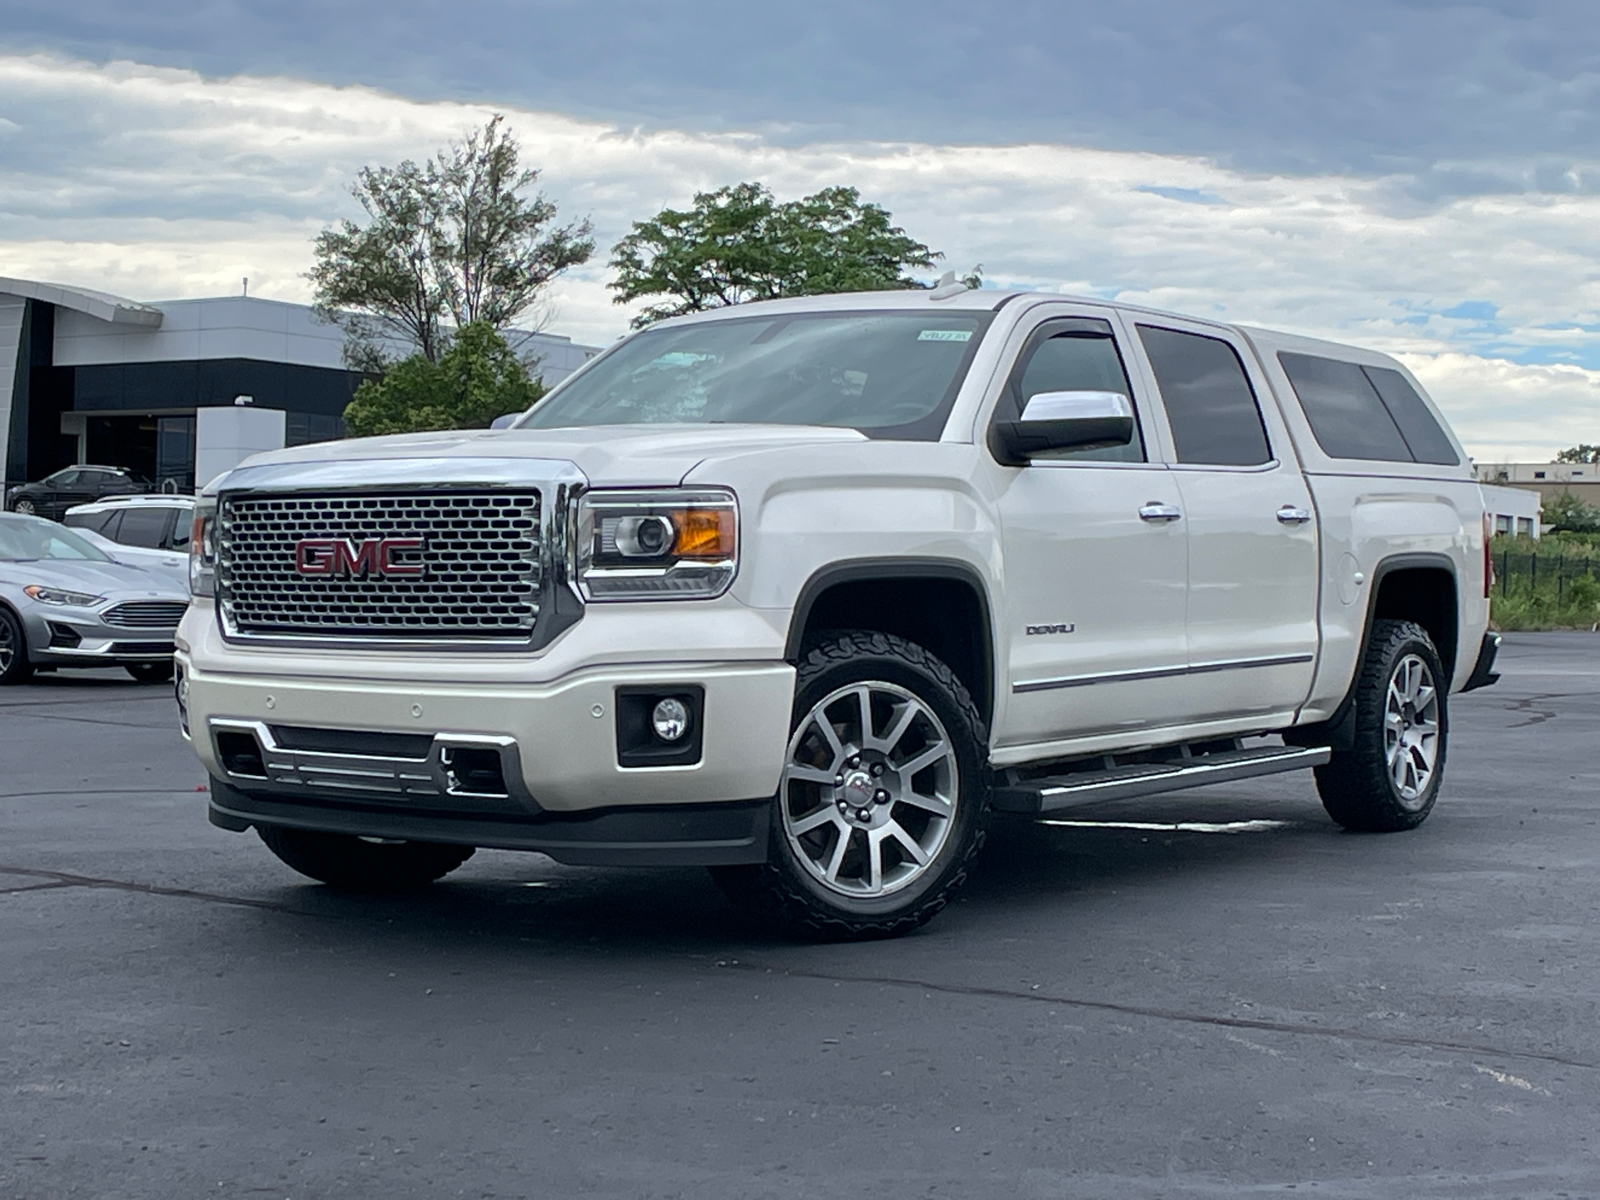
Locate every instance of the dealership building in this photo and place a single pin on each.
(90, 377)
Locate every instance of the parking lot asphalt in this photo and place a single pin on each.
(1257, 1002)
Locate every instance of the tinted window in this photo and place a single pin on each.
(144, 526)
(62, 479)
(1078, 362)
(1429, 443)
(1346, 413)
(888, 374)
(1210, 404)
(182, 527)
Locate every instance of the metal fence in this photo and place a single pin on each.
(1516, 571)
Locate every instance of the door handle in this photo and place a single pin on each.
(1155, 511)
(1290, 515)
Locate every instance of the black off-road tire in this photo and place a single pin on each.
(354, 864)
(782, 891)
(1356, 785)
(150, 672)
(14, 664)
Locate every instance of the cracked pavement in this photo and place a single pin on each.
(1248, 1001)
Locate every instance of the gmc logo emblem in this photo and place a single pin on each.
(344, 556)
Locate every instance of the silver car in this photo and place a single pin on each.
(65, 603)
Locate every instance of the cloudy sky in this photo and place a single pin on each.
(1417, 176)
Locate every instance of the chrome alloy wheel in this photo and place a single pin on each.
(870, 788)
(8, 646)
(1411, 729)
(25, 508)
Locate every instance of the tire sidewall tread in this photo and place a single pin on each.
(1355, 785)
(781, 890)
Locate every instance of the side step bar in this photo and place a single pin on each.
(1111, 780)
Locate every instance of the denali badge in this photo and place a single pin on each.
(344, 556)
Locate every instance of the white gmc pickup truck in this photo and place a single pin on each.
(805, 591)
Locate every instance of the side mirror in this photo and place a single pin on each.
(505, 421)
(1063, 421)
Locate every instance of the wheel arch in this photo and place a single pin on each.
(940, 604)
(1417, 586)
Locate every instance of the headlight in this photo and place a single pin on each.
(50, 595)
(203, 549)
(678, 544)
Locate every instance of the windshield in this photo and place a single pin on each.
(28, 539)
(891, 375)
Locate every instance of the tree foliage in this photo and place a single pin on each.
(739, 243)
(478, 378)
(1565, 512)
(447, 243)
(1583, 452)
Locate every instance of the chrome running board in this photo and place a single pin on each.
(1106, 778)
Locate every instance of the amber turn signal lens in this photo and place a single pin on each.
(704, 533)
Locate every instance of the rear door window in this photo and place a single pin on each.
(1210, 404)
(1428, 442)
(145, 526)
(1346, 413)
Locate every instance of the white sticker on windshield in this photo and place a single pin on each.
(945, 335)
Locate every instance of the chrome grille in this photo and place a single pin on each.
(480, 561)
(145, 614)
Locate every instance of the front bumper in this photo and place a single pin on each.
(64, 636)
(380, 758)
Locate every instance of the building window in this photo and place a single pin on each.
(1538, 474)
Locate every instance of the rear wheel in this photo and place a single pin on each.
(150, 672)
(363, 864)
(14, 665)
(883, 801)
(1389, 779)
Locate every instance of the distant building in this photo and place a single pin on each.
(90, 377)
(1512, 510)
(1548, 479)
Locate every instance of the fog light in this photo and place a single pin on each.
(670, 719)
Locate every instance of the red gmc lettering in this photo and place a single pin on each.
(344, 556)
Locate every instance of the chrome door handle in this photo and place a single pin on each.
(1158, 512)
(1290, 515)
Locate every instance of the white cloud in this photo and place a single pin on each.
(159, 183)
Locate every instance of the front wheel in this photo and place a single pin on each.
(358, 864)
(25, 508)
(14, 665)
(884, 796)
(1389, 778)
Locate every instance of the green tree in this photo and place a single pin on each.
(1583, 452)
(453, 241)
(1564, 511)
(739, 243)
(476, 380)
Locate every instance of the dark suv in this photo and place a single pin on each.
(54, 494)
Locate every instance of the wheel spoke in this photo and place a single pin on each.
(926, 759)
(836, 859)
(1425, 698)
(875, 859)
(864, 699)
(812, 774)
(937, 805)
(816, 820)
(825, 727)
(898, 833)
(897, 729)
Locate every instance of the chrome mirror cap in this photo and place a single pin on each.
(1062, 421)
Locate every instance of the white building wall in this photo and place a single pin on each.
(225, 327)
(224, 436)
(1513, 510)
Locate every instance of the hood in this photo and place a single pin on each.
(113, 580)
(608, 455)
